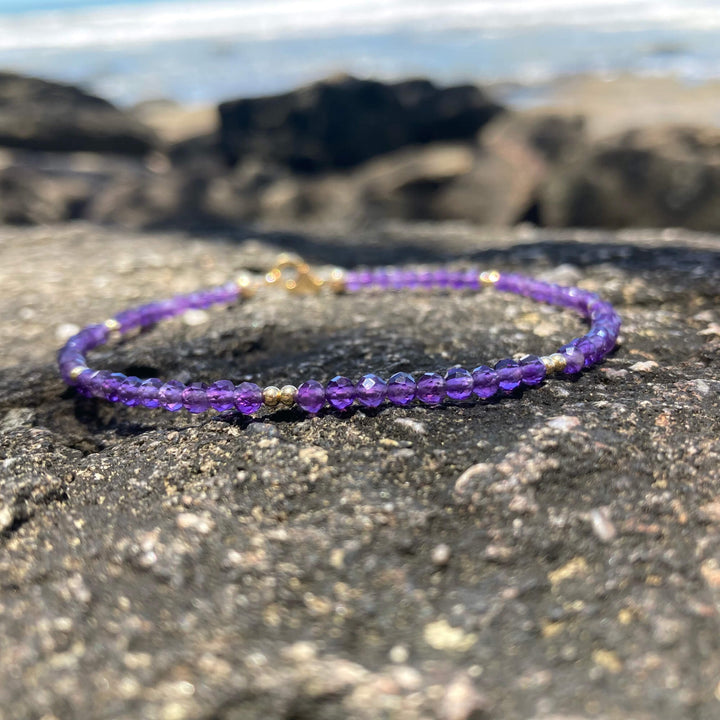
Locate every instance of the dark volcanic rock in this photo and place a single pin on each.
(652, 177)
(341, 123)
(40, 115)
(548, 555)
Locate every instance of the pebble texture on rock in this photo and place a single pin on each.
(554, 554)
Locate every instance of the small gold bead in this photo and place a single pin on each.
(337, 280)
(489, 277)
(554, 363)
(112, 324)
(77, 371)
(560, 362)
(245, 285)
(288, 394)
(273, 276)
(271, 395)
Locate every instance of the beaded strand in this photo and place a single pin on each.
(431, 388)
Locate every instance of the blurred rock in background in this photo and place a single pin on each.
(659, 176)
(344, 151)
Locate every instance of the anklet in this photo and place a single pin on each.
(431, 388)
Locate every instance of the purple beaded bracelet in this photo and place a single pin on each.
(340, 392)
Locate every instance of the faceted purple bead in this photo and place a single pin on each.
(94, 383)
(75, 343)
(162, 310)
(129, 319)
(602, 341)
(587, 349)
(509, 374)
(426, 279)
(485, 381)
(200, 300)
(311, 396)
(370, 390)
(170, 395)
(92, 336)
(149, 393)
(471, 280)
(150, 313)
(248, 398)
(395, 279)
(227, 293)
(128, 391)
(506, 283)
(401, 388)
(69, 357)
(195, 399)
(458, 383)
(364, 278)
(441, 278)
(70, 354)
(67, 366)
(431, 388)
(180, 304)
(340, 392)
(574, 298)
(111, 385)
(611, 323)
(600, 308)
(591, 299)
(540, 291)
(221, 395)
(574, 358)
(533, 370)
(380, 278)
(410, 279)
(352, 282)
(83, 381)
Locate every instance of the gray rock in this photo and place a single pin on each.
(172, 566)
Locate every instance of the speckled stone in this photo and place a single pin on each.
(550, 553)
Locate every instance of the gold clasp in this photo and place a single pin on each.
(294, 275)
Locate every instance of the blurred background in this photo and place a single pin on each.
(203, 115)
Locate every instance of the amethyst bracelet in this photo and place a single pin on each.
(431, 388)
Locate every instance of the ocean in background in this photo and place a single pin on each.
(200, 52)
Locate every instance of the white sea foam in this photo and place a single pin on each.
(118, 26)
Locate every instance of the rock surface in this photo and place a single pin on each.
(551, 555)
